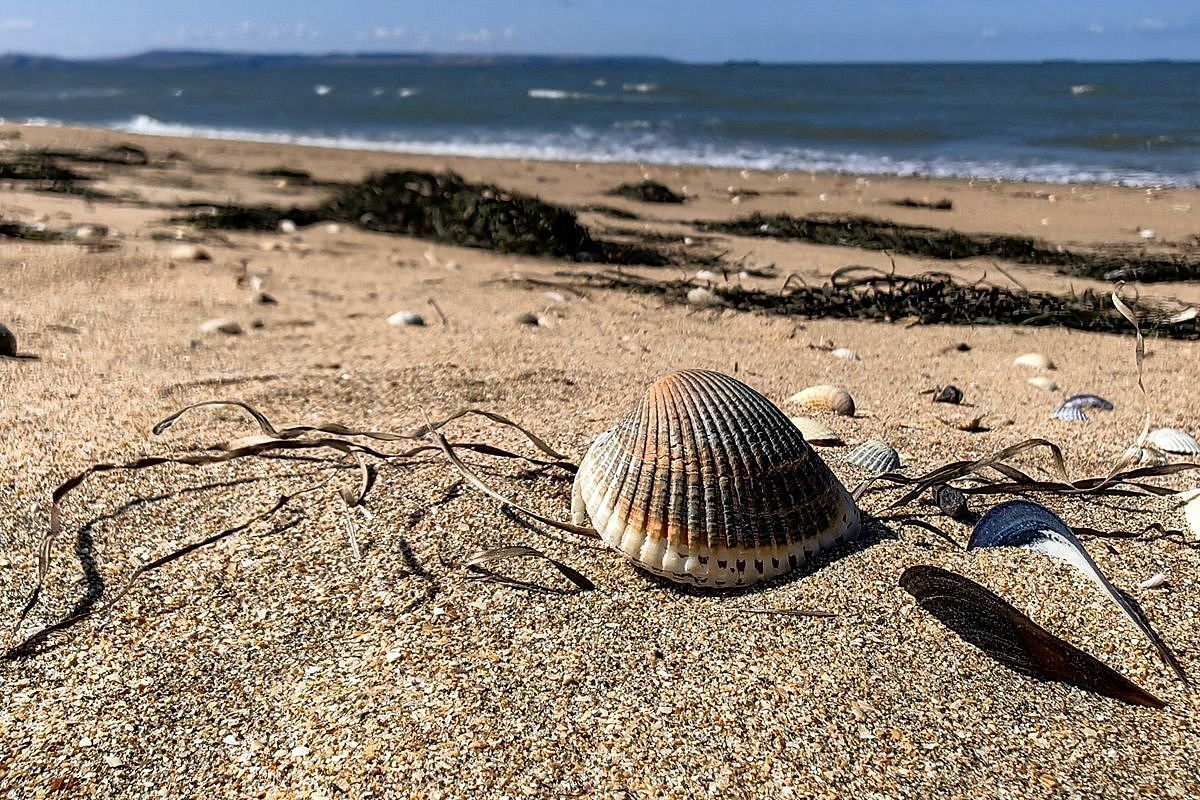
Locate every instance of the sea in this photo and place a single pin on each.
(1134, 123)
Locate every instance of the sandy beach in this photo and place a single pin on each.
(278, 663)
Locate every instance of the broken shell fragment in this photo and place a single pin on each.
(1034, 360)
(406, 318)
(1173, 440)
(875, 456)
(816, 432)
(705, 481)
(846, 353)
(825, 398)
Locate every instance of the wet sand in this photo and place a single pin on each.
(276, 663)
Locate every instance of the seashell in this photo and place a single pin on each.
(948, 394)
(701, 297)
(952, 502)
(1172, 440)
(189, 252)
(875, 456)
(1088, 401)
(846, 353)
(1043, 383)
(8, 341)
(705, 481)
(816, 432)
(706, 275)
(1035, 360)
(825, 398)
(1021, 523)
(287, 226)
(406, 318)
(1069, 413)
(1142, 457)
(1191, 511)
(1155, 581)
(221, 325)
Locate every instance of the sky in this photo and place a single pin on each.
(688, 30)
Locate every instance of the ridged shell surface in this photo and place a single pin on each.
(875, 456)
(1070, 413)
(1173, 440)
(707, 482)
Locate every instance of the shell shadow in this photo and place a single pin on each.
(874, 531)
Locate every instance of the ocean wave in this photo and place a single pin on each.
(562, 94)
(602, 146)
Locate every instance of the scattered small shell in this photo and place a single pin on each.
(949, 394)
(706, 275)
(524, 318)
(453, 266)
(333, 229)
(701, 297)
(189, 252)
(406, 318)
(221, 325)
(1035, 360)
(825, 398)
(816, 432)
(8, 341)
(1069, 413)
(1146, 233)
(271, 245)
(287, 226)
(1043, 383)
(1154, 581)
(846, 353)
(875, 456)
(1142, 457)
(1172, 440)
(555, 297)
(1191, 511)
(1088, 401)
(88, 233)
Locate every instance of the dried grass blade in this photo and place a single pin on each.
(580, 580)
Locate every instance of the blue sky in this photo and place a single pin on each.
(692, 30)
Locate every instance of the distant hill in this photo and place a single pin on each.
(184, 59)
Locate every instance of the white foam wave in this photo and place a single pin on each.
(584, 144)
(641, 88)
(560, 94)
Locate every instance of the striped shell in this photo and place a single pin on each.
(825, 398)
(707, 482)
(875, 457)
(1070, 413)
(1172, 440)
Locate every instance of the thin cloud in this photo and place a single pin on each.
(1096, 28)
(1150, 24)
(481, 36)
(16, 24)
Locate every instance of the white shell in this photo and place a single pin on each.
(221, 325)
(1176, 441)
(1191, 511)
(816, 432)
(701, 297)
(1035, 360)
(875, 456)
(1043, 383)
(705, 481)
(825, 398)
(189, 252)
(846, 353)
(1143, 457)
(406, 318)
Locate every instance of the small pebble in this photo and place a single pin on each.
(221, 325)
(406, 318)
(949, 394)
(287, 226)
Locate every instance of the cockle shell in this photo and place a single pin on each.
(816, 432)
(825, 398)
(1035, 360)
(1172, 440)
(875, 456)
(705, 481)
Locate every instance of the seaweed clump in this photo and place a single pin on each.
(445, 208)
(870, 233)
(647, 192)
(39, 169)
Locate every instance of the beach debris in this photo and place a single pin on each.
(1173, 440)
(1073, 408)
(333, 229)
(524, 318)
(765, 512)
(816, 432)
(647, 191)
(89, 234)
(189, 252)
(699, 296)
(476, 563)
(1043, 383)
(952, 502)
(1146, 233)
(875, 456)
(1141, 456)
(962, 421)
(932, 205)
(1069, 413)
(825, 398)
(265, 299)
(986, 621)
(406, 318)
(1034, 360)
(707, 275)
(221, 325)
(286, 226)
(1022, 523)
(1155, 581)
(846, 353)
(8, 341)
(1191, 511)
(948, 394)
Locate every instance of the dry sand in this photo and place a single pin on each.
(276, 664)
